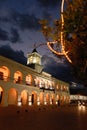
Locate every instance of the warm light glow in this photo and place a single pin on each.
(29, 101)
(19, 103)
(50, 47)
(28, 79)
(34, 58)
(56, 102)
(57, 97)
(17, 77)
(38, 103)
(24, 97)
(49, 44)
(51, 102)
(81, 107)
(36, 82)
(45, 103)
(1, 90)
(40, 83)
(41, 98)
(30, 104)
(4, 73)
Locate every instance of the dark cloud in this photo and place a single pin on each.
(25, 21)
(15, 37)
(47, 15)
(22, 20)
(79, 90)
(12, 36)
(58, 70)
(3, 0)
(4, 19)
(8, 52)
(3, 35)
(48, 3)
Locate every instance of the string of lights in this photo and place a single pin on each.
(49, 44)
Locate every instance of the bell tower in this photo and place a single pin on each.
(34, 60)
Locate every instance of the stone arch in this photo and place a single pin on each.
(41, 98)
(17, 77)
(63, 98)
(67, 99)
(58, 99)
(29, 79)
(34, 98)
(24, 97)
(46, 84)
(53, 98)
(12, 96)
(1, 95)
(48, 98)
(4, 73)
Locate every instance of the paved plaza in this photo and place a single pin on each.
(43, 118)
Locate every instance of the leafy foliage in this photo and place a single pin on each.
(75, 35)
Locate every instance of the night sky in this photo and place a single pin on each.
(20, 32)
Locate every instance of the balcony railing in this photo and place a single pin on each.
(40, 86)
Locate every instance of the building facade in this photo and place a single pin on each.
(22, 85)
(77, 97)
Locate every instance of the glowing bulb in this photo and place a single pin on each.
(63, 52)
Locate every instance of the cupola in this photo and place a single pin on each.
(34, 60)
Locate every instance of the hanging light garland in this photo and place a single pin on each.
(49, 44)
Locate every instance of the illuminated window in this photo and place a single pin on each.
(34, 57)
(17, 77)
(46, 85)
(24, 97)
(4, 73)
(35, 82)
(30, 60)
(43, 84)
(28, 80)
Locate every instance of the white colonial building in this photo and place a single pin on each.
(29, 85)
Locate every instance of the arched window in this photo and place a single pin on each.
(46, 85)
(39, 83)
(34, 98)
(17, 77)
(29, 80)
(41, 98)
(1, 94)
(24, 97)
(36, 82)
(4, 73)
(42, 83)
(48, 98)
